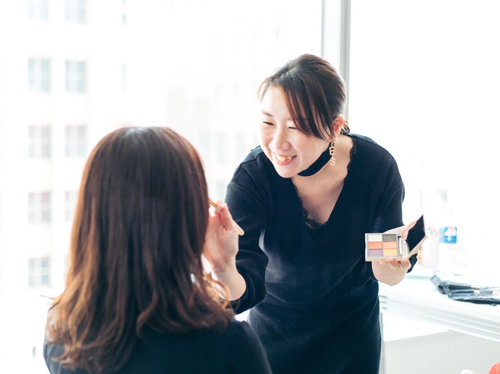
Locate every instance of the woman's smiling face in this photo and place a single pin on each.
(289, 149)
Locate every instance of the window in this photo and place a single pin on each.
(75, 76)
(76, 141)
(415, 91)
(39, 75)
(242, 150)
(124, 12)
(39, 272)
(75, 11)
(69, 205)
(39, 207)
(222, 149)
(204, 144)
(225, 97)
(207, 90)
(221, 190)
(40, 141)
(38, 9)
(124, 77)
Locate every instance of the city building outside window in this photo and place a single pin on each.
(40, 142)
(39, 74)
(75, 11)
(76, 141)
(38, 9)
(161, 90)
(75, 76)
(39, 207)
(39, 272)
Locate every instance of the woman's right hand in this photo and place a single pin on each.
(221, 241)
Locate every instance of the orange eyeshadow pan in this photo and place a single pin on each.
(375, 245)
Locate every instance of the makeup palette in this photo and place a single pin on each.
(383, 246)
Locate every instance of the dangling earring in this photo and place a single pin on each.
(333, 161)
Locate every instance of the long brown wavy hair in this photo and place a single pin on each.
(136, 246)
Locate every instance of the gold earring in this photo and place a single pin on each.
(332, 153)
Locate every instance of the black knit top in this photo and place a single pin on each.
(315, 300)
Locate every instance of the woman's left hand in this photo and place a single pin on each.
(392, 271)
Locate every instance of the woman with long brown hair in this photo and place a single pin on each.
(137, 299)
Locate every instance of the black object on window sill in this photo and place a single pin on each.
(466, 292)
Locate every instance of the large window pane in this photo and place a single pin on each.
(424, 84)
(38, 9)
(75, 76)
(39, 75)
(75, 11)
(192, 65)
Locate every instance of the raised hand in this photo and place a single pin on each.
(221, 241)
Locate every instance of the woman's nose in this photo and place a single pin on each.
(280, 141)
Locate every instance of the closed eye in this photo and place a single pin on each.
(268, 123)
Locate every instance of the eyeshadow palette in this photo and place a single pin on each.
(383, 246)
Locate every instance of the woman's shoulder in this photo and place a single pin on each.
(369, 150)
(245, 349)
(235, 349)
(211, 351)
(240, 328)
(234, 330)
(255, 160)
(255, 170)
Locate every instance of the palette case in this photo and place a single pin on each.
(382, 246)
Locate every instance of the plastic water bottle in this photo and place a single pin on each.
(448, 246)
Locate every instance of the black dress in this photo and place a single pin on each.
(314, 301)
(237, 350)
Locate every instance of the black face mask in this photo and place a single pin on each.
(318, 164)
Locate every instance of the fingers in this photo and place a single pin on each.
(226, 218)
(403, 230)
(405, 264)
(397, 265)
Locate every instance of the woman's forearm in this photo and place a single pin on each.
(233, 280)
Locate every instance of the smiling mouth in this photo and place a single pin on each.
(283, 158)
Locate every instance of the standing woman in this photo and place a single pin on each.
(137, 299)
(305, 199)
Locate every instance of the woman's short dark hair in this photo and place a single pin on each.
(314, 92)
(135, 253)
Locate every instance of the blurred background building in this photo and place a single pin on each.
(71, 71)
(422, 80)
